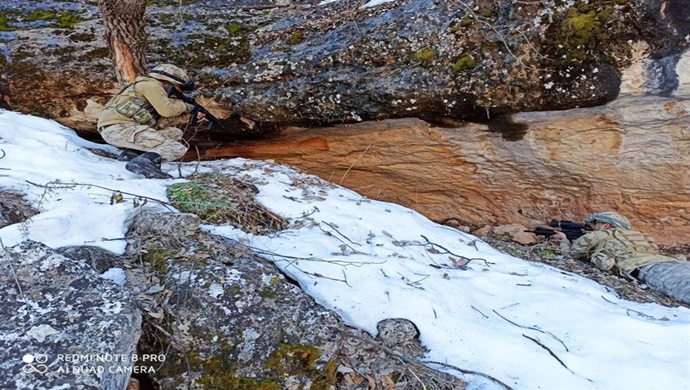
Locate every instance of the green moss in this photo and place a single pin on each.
(166, 19)
(39, 14)
(219, 370)
(220, 373)
(295, 38)
(269, 294)
(157, 259)
(5, 20)
(61, 19)
(463, 64)
(424, 56)
(581, 29)
(294, 359)
(234, 28)
(461, 25)
(546, 253)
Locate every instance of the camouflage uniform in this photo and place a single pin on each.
(139, 132)
(634, 255)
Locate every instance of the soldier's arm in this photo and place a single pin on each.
(158, 97)
(581, 248)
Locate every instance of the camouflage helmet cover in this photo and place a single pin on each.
(172, 74)
(615, 219)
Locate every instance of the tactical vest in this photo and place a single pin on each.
(128, 102)
(629, 248)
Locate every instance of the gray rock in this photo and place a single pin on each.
(61, 325)
(396, 331)
(13, 208)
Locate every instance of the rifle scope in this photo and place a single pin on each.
(569, 225)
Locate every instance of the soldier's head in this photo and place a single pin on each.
(173, 75)
(607, 220)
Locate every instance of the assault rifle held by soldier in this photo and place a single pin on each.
(572, 230)
(198, 108)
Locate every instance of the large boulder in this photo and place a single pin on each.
(296, 62)
(63, 326)
(629, 156)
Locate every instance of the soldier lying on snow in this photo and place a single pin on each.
(129, 120)
(613, 245)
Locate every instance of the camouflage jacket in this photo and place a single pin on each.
(146, 93)
(624, 249)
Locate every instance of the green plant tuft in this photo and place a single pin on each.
(463, 64)
(424, 56)
(194, 198)
(296, 38)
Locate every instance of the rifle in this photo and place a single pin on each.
(572, 230)
(198, 108)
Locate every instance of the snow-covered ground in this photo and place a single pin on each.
(529, 325)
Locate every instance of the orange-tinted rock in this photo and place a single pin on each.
(632, 156)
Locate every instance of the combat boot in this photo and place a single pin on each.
(128, 154)
(147, 165)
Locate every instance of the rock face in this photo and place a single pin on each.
(61, 325)
(630, 156)
(500, 64)
(296, 62)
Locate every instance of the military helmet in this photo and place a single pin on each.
(174, 75)
(612, 217)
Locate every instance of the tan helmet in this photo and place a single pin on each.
(172, 74)
(616, 220)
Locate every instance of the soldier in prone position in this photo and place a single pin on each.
(613, 245)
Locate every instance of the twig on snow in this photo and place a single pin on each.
(470, 372)
(550, 351)
(337, 231)
(466, 259)
(533, 328)
(54, 185)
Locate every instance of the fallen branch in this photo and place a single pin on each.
(477, 310)
(470, 372)
(533, 328)
(312, 259)
(337, 231)
(550, 351)
(466, 259)
(56, 185)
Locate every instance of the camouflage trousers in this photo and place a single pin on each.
(671, 278)
(165, 142)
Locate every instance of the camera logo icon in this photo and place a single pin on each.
(35, 363)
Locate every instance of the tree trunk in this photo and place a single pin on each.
(126, 35)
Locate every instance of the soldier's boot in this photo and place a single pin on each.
(128, 154)
(147, 165)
